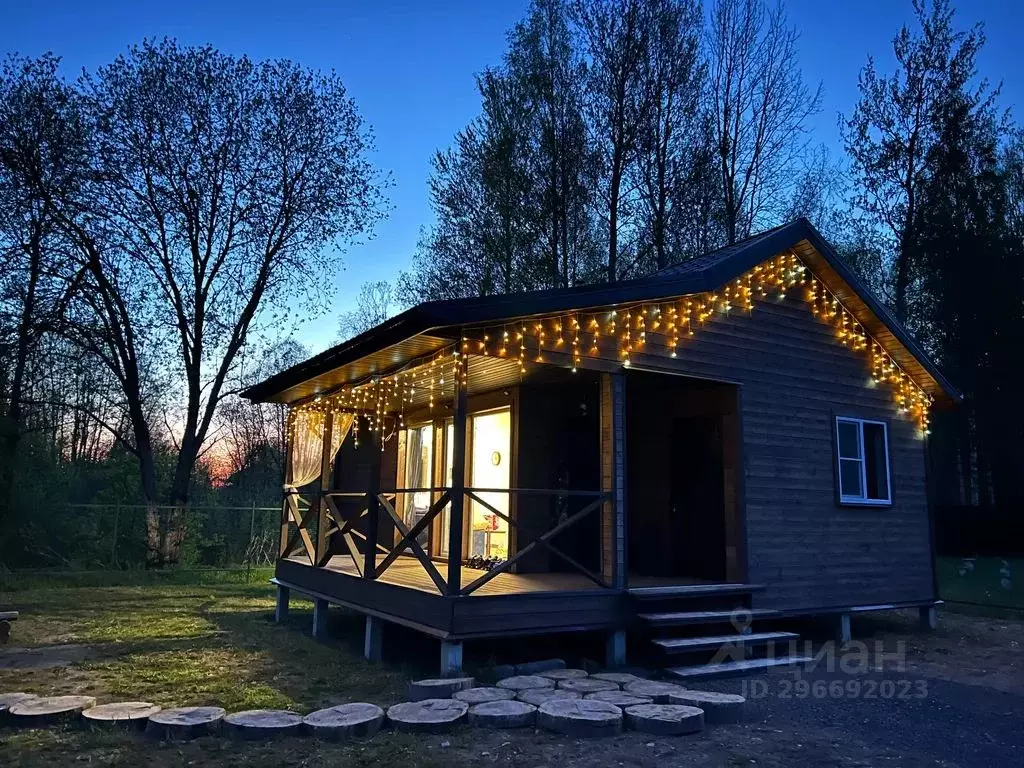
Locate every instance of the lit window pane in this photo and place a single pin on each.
(849, 447)
(849, 478)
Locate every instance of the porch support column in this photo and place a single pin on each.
(613, 478)
(288, 499)
(281, 609)
(373, 639)
(457, 495)
(615, 649)
(929, 616)
(843, 631)
(451, 658)
(319, 618)
(373, 510)
(324, 484)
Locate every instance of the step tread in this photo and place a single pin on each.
(715, 641)
(692, 590)
(699, 617)
(735, 667)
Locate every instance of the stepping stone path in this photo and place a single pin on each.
(344, 722)
(9, 699)
(622, 678)
(263, 723)
(579, 717)
(36, 712)
(719, 708)
(665, 719)
(564, 674)
(538, 696)
(586, 685)
(503, 714)
(655, 690)
(438, 688)
(618, 698)
(427, 716)
(482, 695)
(130, 713)
(525, 682)
(185, 722)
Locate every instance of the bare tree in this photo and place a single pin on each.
(221, 190)
(374, 305)
(760, 105)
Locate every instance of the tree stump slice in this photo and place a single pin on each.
(503, 714)
(483, 695)
(185, 722)
(428, 715)
(7, 700)
(344, 722)
(438, 688)
(124, 713)
(586, 685)
(263, 723)
(719, 708)
(538, 696)
(655, 690)
(48, 710)
(579, 717)
(622, 678)
(525, 683)
(618, 698)
(665, 719)
(564, 674)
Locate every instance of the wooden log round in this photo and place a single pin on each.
(48, 710)
(664, 719)
(586, 685)
(538, 696)
(618, 698)
(482, 695)
(564, 674)
(438, 688)
(185, 722)
(616, 677)
(345, 721)
(655, 690)
(428, 715)
(263, 723)
(719, 708)
(579, 717)
(132, 714)
(507, 713)
(9, 699)
(525, 682)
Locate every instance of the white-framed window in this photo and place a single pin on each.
(862, 461)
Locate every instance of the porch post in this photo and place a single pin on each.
(320, 607)
(458, 489)
(323, 484)
(287, 498)
(613, 478)
(373, 639)
(373, 509)
(281, 610)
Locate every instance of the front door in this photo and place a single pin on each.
(697, 506)
(489, 470)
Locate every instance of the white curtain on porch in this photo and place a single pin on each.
(307, 445)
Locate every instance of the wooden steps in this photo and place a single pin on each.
(692, 590)
(683, 618)
(732, 668)
(714, 642)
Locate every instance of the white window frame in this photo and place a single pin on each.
(862, 499)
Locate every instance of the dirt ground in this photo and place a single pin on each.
(898, 696)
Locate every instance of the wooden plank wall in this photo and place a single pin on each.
(808, 550)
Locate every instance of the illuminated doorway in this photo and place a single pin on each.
(490, 468)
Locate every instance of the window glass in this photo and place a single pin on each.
(849, 440)
(849, 477)
(419, 452)
(876, 461)
(489, 468)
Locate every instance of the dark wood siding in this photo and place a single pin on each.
(809, 551)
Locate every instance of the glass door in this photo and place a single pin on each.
(419, 465)
(491, 440)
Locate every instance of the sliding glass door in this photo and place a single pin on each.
(419, 473)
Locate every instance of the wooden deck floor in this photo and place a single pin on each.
(408, 572)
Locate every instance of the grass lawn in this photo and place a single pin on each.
(982, 580)
(214, 643)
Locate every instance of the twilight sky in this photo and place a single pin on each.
(409, 64)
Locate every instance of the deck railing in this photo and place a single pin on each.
(356, 522)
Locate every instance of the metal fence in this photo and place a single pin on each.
(113, 536)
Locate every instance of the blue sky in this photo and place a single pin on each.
(410, 64)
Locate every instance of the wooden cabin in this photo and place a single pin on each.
(745, 431)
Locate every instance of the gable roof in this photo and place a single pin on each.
(432, 325)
